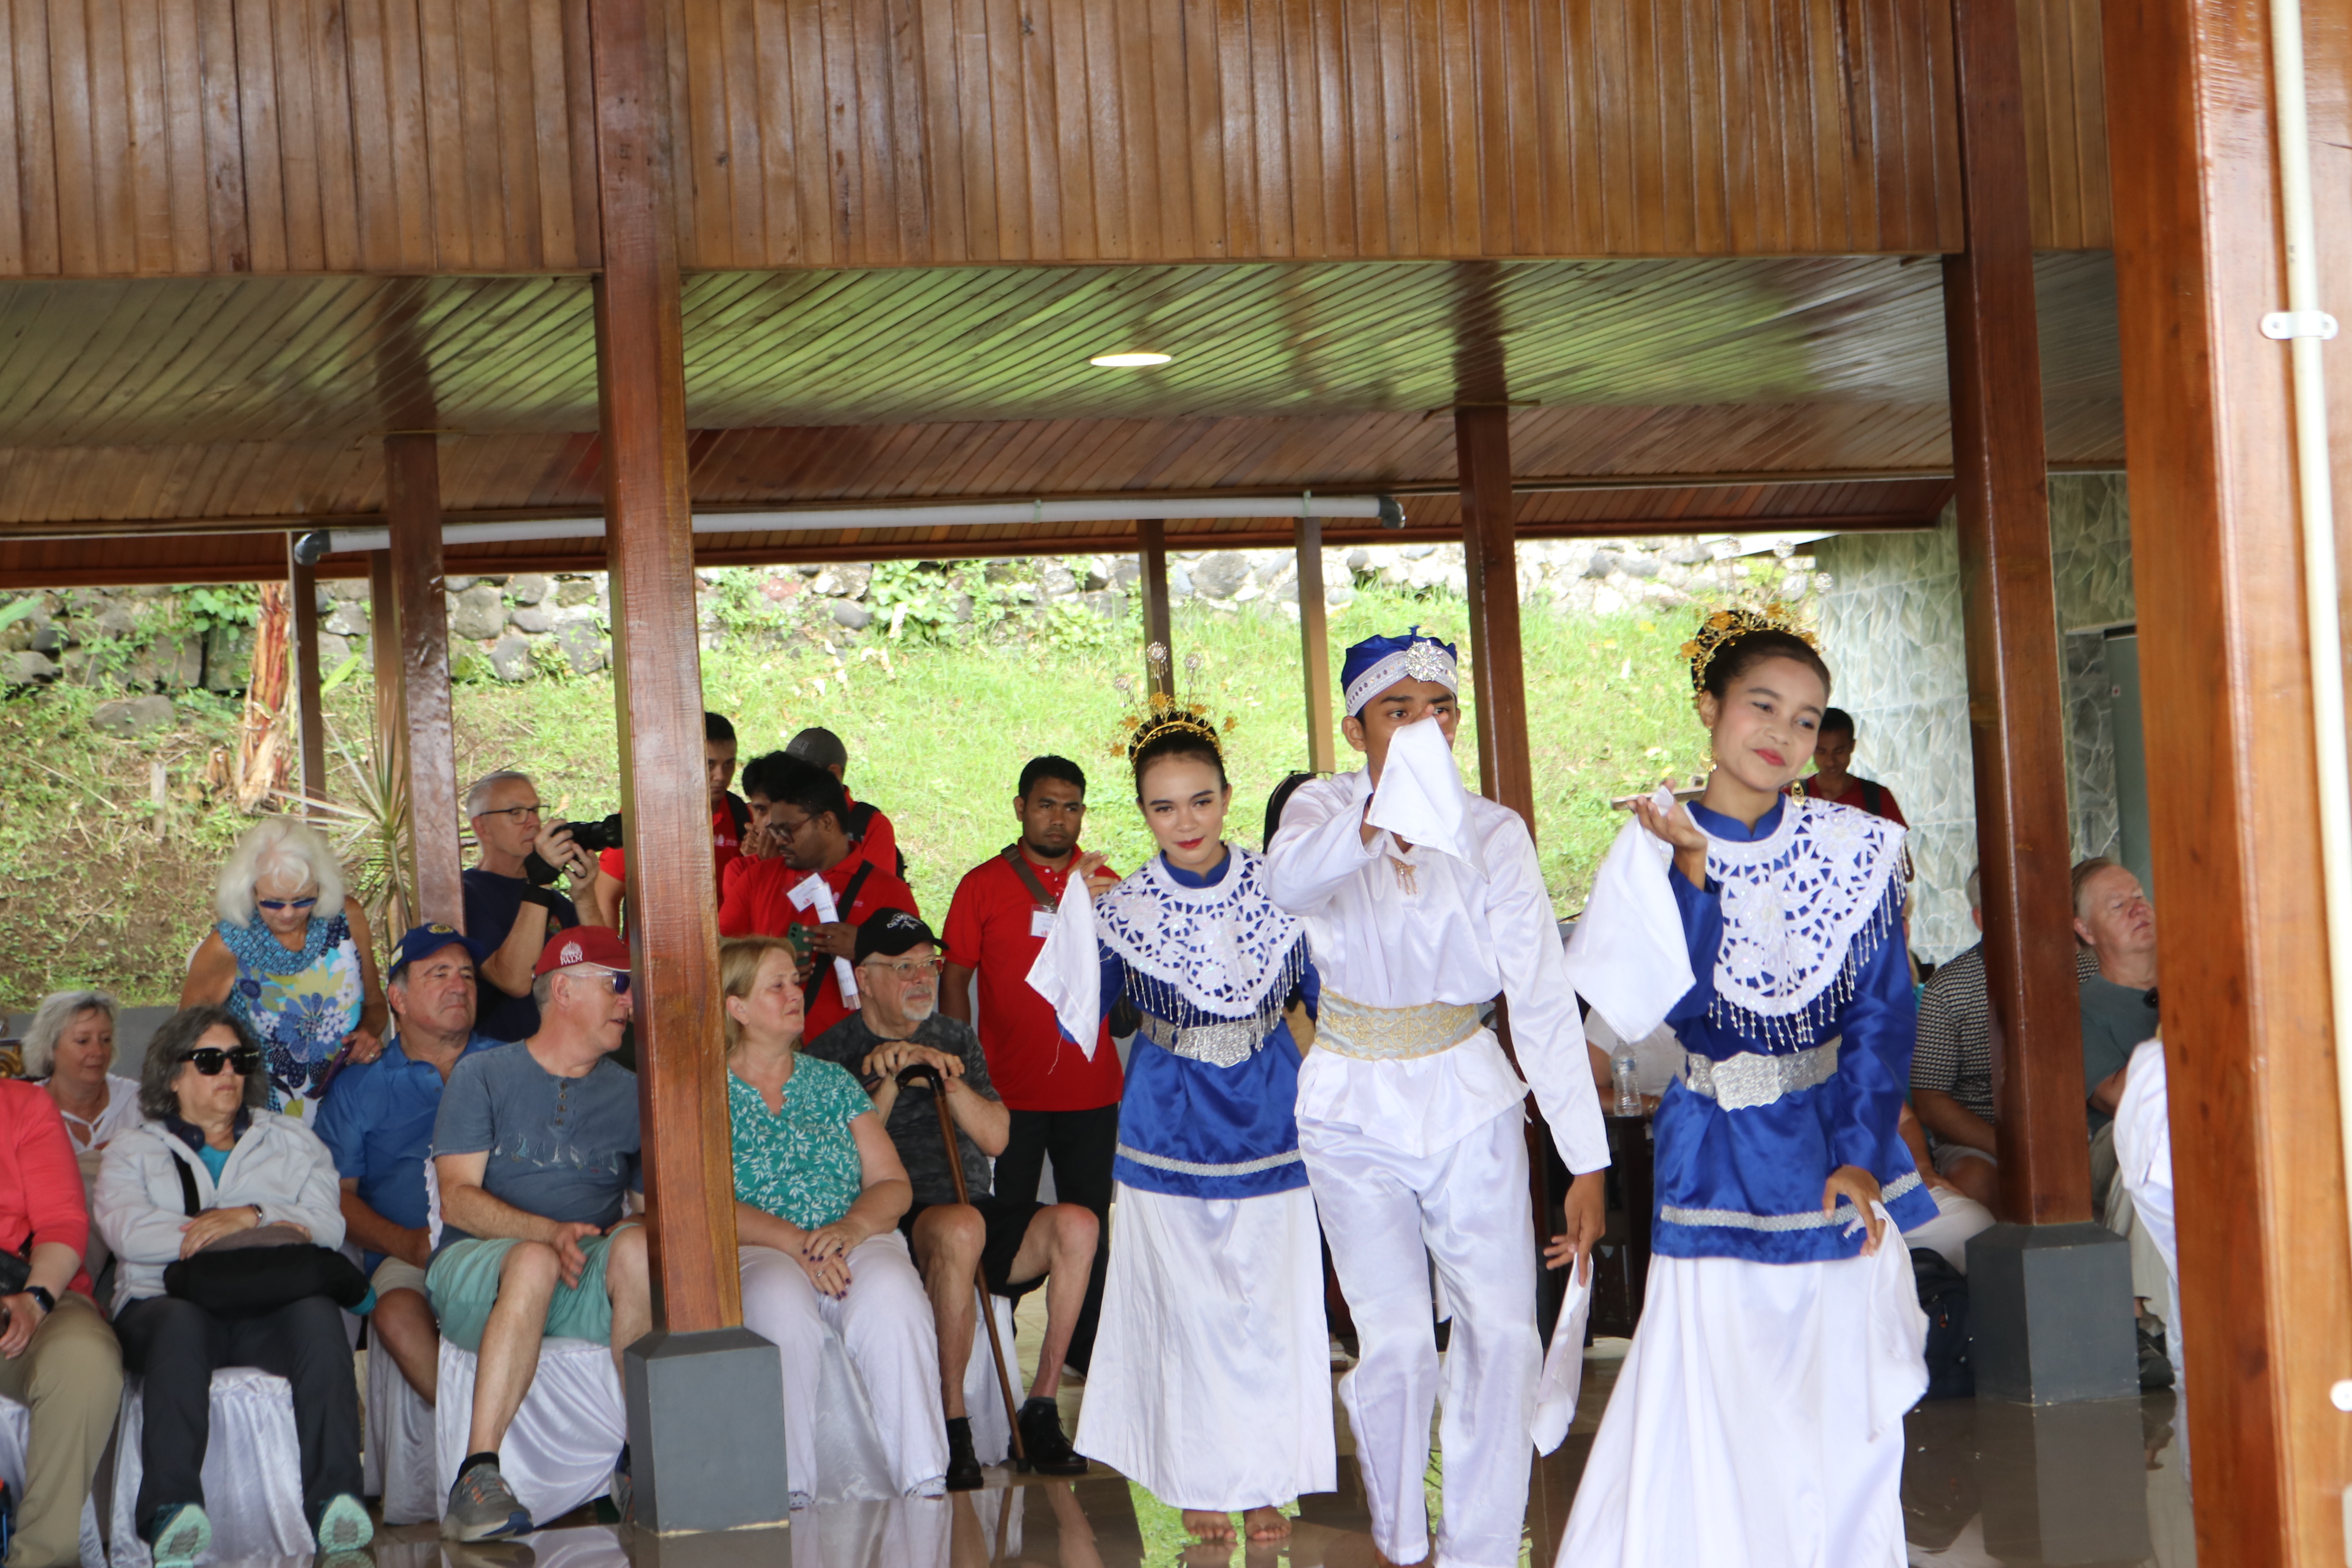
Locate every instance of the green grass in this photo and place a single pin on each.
(937, 732)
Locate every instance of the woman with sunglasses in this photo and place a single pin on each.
(289, 955)
(247, 1168)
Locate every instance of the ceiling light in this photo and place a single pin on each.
(1136, 360)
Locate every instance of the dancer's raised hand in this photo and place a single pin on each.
(1676, 827)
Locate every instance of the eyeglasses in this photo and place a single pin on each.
(208, 1060)
(619, 977)
(275, 905)
(515, 813)
(904, 970)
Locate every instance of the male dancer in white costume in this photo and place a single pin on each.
(1410, 1117)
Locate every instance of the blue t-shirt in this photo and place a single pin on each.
(561, 1148)
(216, 1161)
(377, 1121)
(493, 903)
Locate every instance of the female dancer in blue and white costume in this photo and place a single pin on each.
(1758, 1421)
(1211, 1382)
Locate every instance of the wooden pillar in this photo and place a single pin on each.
(391, 703)
(411, 504)
(2016, 683)
(1315, 647)
(310, 718)
(673, 918)
(2265, 1272)
(1153, 535)
(1482, 447)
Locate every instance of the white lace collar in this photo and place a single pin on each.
(1801, 907)
(1222, 948)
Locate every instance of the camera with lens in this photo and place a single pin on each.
(598, 836)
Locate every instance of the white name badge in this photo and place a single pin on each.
(1041, 924)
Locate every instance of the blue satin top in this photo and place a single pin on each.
(1747, 1183)
(1192, 1129)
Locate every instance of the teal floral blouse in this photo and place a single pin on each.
(799, 1163)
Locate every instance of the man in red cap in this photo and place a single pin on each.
(536, 1148)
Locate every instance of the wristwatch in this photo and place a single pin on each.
(40, 1293)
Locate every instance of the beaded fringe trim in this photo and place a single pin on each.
(1799, 1030)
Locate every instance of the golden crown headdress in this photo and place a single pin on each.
(1162, 711)
(1729, 626)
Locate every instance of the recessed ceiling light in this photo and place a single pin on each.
(1137, 361)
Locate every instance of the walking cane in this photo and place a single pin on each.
(908, 1076)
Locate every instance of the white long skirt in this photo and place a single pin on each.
(1211, 1382)
(1757, 1422)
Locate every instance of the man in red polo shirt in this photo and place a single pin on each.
(1832, 755)
(870, 833)
(729, 818)
(1063, 1105)
(795, 846)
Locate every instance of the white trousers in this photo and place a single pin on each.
(891, 1391)
(1465, 1206)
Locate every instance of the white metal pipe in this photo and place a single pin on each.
(969, 515)
(2305, 329)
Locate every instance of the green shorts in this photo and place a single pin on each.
(463, 1285)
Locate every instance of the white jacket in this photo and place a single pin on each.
(139, 1209)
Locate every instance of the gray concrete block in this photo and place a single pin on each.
(706, 1430)
(131, 716)
(2049, 1311)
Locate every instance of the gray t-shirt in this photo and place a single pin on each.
(561, 1148)
(2115, 1019)
(914, 1124)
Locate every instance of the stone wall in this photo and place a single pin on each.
(1890, 626)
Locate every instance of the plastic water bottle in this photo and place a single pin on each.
(1623, 1080)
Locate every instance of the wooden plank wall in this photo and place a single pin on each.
(152, 137)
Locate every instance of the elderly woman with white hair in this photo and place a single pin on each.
(289, 955)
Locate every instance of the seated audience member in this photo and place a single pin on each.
(1013, 1244)
(247, 1168)
(1957, 1215)
(729, 818)
(511, 904)
(291, 957)
(57, 1357)
(1951, 1069)
(1064, 1105)
(1832, 755)
(70, 1048)
(796, 839)
(871, 837)
(536, 1150)
(378, 1122)
(2116, 925)
(818, 1192)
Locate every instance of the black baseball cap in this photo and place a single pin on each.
(425, 940)
(819, 745)
(889, 932)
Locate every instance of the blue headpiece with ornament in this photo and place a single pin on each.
(1376, 664)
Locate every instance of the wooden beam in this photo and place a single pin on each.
(1315, 648)
(641, 383)
(310, 717)
(412, 476)
(2016, 682)
(2265, 1273)
(1152, 535)
(1481, 445)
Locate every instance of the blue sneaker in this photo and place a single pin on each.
(482, 1507)
(179, 1533)
(344, 1525)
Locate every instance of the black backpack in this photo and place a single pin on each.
(1944, 1297)
(861, 817)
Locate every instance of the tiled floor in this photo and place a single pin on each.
(1985, 1487)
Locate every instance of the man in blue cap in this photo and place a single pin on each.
(1409, 1115)
(378, 1121)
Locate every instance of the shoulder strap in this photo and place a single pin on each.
(739, 811)
(1873, 799)
(861, 817)
(856, 880)
(188, 1199)
(1028, 875)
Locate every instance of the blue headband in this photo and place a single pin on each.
(1375, 664)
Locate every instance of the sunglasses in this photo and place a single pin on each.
(620, 979)
(274, 905)
(208, 1060)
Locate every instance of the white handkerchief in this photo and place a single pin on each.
(1068, 971)
(1628, 955)
(1421, 797)
(812, 893)
(1564, 1367)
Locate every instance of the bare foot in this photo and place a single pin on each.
(1265, 1524)
(1206, 1526)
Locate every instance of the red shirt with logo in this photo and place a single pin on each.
(726, 849)
(757, 902)
(995, 926)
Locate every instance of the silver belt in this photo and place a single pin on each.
(1752, 1078)
(1218, 1045)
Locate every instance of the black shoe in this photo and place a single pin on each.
(2155, 1360)
(1043, 1446)
(964, 1465)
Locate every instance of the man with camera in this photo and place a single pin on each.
(511, 904)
